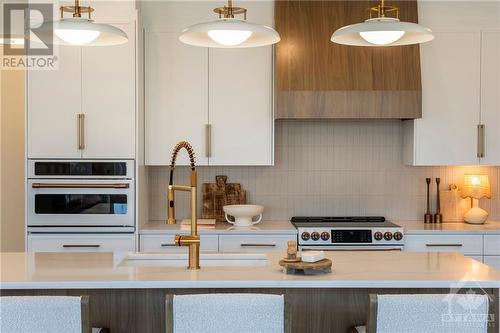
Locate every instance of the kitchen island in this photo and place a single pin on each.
(128, 295)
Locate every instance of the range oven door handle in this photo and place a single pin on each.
(80, 185)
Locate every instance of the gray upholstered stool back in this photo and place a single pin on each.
(432, 313)
(221, 313)
(45, 314)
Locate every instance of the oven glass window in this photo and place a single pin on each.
(80, 168)
(81, 204)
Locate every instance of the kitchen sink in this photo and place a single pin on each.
(206, 259)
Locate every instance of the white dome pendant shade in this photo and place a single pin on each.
(80, 31)
(382, 31)
(229, 32)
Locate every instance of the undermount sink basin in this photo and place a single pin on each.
(206, 259)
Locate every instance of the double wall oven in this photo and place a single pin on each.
(81, 196)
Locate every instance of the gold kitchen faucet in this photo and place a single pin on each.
(193, 239)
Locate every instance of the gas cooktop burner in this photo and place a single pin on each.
(338, 219)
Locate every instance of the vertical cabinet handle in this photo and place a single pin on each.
(480, 141)
(81, 131)
(208, 140)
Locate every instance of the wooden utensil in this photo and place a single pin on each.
(453, 206)
(307, 268)
(219, 194)
(438, 218)
(428, 216)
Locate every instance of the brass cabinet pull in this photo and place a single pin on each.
(208, 140)
(81, 131)
(80, 245)
(480, 141)
(168, 244)
(257, 244)
(79, 185)
(444, 245)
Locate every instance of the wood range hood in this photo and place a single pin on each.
(318, 79)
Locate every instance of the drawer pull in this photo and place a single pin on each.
(81, 245)
(444, 245)
(168, 244)
(257, 244)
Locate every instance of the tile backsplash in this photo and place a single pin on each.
(330, 168)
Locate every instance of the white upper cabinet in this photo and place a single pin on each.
(54, 102)
(490, 101)
(108, 98)
(176, 98)
(220, 100)
(241, 106)
(460, 122)
(96, 82)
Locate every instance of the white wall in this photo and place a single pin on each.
(330, 168)
(12, 160)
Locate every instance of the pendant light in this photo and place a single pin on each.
(80, 31)
(382, 30)
(229, 32)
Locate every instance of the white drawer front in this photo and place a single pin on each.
(81, 243)
(493, 261)
(492, 245)
(165, 243)
(254, 243)
(466, 244)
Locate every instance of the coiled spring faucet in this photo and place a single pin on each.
(193, 239)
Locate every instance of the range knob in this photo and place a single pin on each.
(325, 235)
(378, 235)
(305, 236)
(388, 235)
(398, 235)
(315, 235)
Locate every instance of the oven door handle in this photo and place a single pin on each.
(80, 185)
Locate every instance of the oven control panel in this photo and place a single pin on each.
(350, 236)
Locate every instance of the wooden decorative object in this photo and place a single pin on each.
(220, 194)
(307, 268)
(316, 78)
(453, 206)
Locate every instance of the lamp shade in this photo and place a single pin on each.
(229, 33)
(476, 186)
(382, 31)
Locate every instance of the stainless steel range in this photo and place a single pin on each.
(348, 233)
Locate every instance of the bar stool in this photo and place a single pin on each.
(429, 313)
(45, 314)
(227, 313)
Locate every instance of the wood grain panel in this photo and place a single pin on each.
(307, 62)
(310, 310)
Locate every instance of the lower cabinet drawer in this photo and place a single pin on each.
(492, 245)
(466, 244)
(251, 243)
(493, 261)
(81, 242)
(165, 243)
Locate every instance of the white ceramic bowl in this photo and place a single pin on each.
(243, 214)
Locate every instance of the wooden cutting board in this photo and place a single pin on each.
(307, 268)
(453, 206)
(219, 194)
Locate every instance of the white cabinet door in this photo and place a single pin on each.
(447, 132)
(466, 244)
(254, 243)
(108, 98)
(490, 98)
(81, 242)
(54, 102)
(176, 98)
(493, 261)
(241, 106)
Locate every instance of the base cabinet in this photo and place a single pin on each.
(165, 243)
(493, 261)
(81, 242)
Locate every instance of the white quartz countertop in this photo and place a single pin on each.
(264, 228)
(419, 227)
(350, 270)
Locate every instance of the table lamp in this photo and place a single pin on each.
(476, 187)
